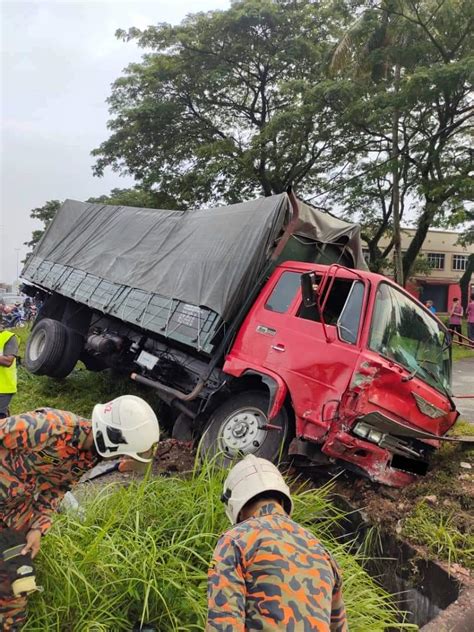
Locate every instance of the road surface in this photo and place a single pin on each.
(463, 384)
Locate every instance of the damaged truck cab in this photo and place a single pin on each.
(364, 367)
(257, 324)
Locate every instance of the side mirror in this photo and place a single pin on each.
(309, 288)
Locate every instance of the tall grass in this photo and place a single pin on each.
(440, 531)
(142, 552)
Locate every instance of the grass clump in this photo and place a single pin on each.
(441, 519)
(141, 553)
(440, 532)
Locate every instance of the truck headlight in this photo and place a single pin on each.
(375, 436)
(367, 432)
(361, 430)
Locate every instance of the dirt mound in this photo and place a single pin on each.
(174, 457)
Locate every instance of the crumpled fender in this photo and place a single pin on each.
(277, 388)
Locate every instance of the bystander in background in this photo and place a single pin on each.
(429, 305)
(455, 318)
(470, 319)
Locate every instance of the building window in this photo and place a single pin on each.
(436, 260)
(459, 262)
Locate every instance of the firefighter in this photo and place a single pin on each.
(267, 572)
(42, 454)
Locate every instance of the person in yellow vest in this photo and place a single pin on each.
(8, 355)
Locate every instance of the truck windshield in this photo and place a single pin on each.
(402, 331)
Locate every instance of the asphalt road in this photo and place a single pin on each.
(463, 384)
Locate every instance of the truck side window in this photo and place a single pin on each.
(284, 292)
(349, 320)
(334, 304)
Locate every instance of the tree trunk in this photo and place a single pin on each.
(424, 224)
(397, 243)
(465, 281)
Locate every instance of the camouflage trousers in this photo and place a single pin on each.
(12, 609)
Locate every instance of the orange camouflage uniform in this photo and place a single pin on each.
(41, 457)
(268, 574)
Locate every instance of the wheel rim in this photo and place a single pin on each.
(242, 432)
(36, 346)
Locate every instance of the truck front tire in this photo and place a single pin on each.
(240, 426)
(52, 349)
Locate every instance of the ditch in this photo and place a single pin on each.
(432, 597)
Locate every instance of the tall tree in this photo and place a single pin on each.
(434, 112)
(466, 238)
(231, 103)
(142, 198)
(371, 46)
(44, 214)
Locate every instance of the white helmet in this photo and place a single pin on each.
(126, 425)
(248, 478)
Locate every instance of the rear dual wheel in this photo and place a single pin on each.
(52, 349)
(240, 426)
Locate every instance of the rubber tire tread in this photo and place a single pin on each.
(54, 347)
(73, 349)
(274, 446)
(182, 428)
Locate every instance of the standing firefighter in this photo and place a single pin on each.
(42, 454)
(8, 354)
(268, 573)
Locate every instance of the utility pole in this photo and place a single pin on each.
(17, 250)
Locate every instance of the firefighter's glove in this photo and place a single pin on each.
(18, 568)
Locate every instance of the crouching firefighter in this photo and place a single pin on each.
(268, 573)
(42, 454)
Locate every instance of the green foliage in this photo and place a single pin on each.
(441, 518)
(44, 214)
(230, 103)
(436, 529)
(138, 197)
(234, 103)
(142, 553)
(431, 44)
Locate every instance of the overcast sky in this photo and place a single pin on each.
(58, 60)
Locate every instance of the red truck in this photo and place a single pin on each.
(259, 326)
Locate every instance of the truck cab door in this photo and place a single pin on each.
(317, 361)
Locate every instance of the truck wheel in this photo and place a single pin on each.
(236, 428)
(51, 349)
(182, 428)
(45, 346)
(72, 351)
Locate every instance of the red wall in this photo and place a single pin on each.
(413, 289)
(454, 291)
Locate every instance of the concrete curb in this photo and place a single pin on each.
(458, 617)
